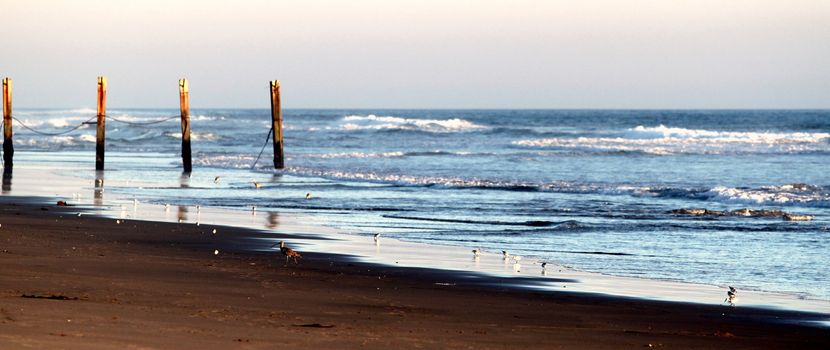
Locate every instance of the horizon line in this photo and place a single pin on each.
(475, 108)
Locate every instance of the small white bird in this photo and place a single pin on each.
(505, 255)
(253, 209)
(308, 195)
(517, 267)
(377, 238)
(544, 269)
(217, 179)
(517, 258)
(214, 231)
(731, 296)
(167, 207)
(256, 184)
(118, 222)
(477, 253)
(216, 252)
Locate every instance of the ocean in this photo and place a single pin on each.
(595, 190)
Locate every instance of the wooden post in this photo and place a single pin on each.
(102, 123)
(276, 124)
(184, 103)
(8, 146)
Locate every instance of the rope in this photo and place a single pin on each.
(142, 123)
(52, 133)
(263, 147)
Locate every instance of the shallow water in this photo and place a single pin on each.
(588, 189)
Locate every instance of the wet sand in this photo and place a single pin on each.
(91, 283)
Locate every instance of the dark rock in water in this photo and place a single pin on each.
(800, 186)
(752, 212)
(793, 217)
(738, 212)
(689, 211)
(696, 212)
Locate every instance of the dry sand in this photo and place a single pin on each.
(90, 283)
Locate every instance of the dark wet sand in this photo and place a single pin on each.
(89, 283)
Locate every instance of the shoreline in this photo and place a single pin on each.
(390, 252)
(81, 282)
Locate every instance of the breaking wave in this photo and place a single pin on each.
(663, 140)
(373, 122)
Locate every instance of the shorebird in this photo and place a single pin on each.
(544, 269)
(253, 209)
(377, 238)
(217, 179)
(731, 296)
(477, 253)
(517, 267)
(517, 258)
(308, 195)
(289, 253)
(256, 184)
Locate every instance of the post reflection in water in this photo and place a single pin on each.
(7, 180)
(273, 220)
(98, 192)
(184, 180)
(182, 213)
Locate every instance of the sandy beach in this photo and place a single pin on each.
(93, 283)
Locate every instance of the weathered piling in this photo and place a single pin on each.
(184, 104)
(101, 123)
(276, 124)
(8, 146)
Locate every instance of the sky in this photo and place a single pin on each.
(420, 54)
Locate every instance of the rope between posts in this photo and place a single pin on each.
(52, 133)
(22, 124)
(142, 123)
(263, 147)
(44, 133)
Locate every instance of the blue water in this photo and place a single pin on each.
(592, 189)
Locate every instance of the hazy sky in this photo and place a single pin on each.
(421, 54)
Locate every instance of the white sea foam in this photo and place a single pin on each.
(772, 195)
(84, 111)
(668, 140)
(58, 122)
(373, 122)
(355, 155)
(201, 117)
(664, 132)
(228, 161)
(195, 136)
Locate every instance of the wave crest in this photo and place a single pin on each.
(373, 122)
(663, 140)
